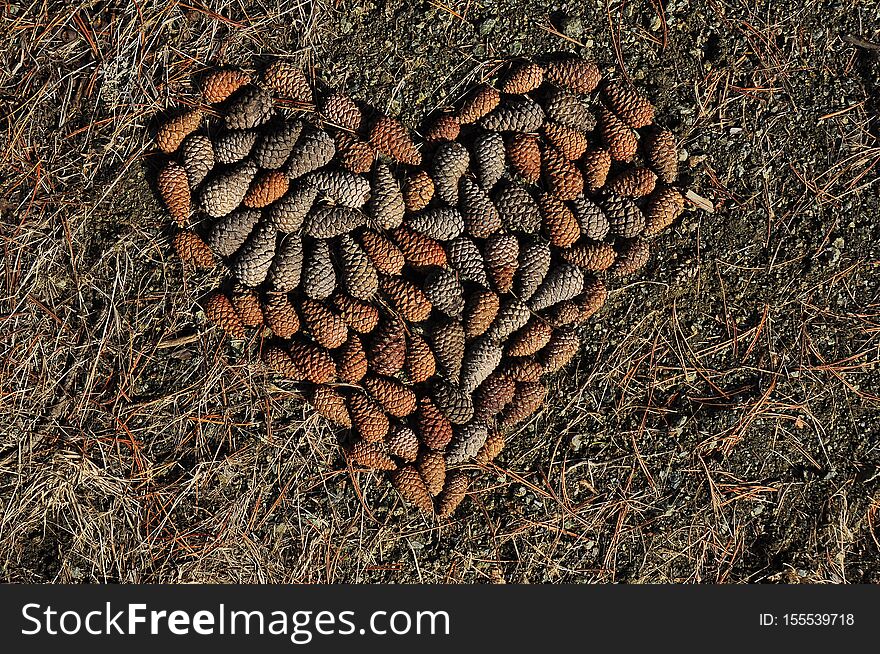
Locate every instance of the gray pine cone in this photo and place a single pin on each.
(518, 209)
(253, 260)
(439, 223)
(450, 162)
(444, 291)
(286, 270)
(249, 108)
(223, 193)
(489, 159)
(480, 215)
(563, 282)
(319, 276)
(512, 315)
(566, 109)
(453, 402)
(593, 221)
(314, 149)
(289, 212)
(481, 359)
(466, 442)
(359, 276)
(516, 114)
(624, 216)
(198, 158)
(275, 146)
(534, 262)
(341, 186)
(386, 204)
(230, 232)
(331, 221)
(465, 257)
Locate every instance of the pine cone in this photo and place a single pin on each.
(574, 74)
(481, 308)
(316, 363)
(433, 428)
(595, 165)
(281, 363)
(534, 262)
(173, 186)
(368, 418)
(352, 361)
(344, 188)
(370, 455)
(248, 306)
(625, 218)
(355, 155)
(631, 257)
(359, 276)
(590, 256)
(662, 154)
(501, 254)
(465, 258)
(593, 221)
(392, 139)
(395, 399)
(592, 299)
(492, 448)
(664, 206)
(522, 76)
(319, 276)
(515, 114)
(444, 291)
(332, 405)
(629, 104)
(289, 212)
(493, 395)
(524, 370)
(171, 133)
(481, 359)
(287, 81)
(326, 222)
(197, 154)
(328, 329)
(466, 442)
(560, 350)
(512, 315)
(562, 177)
(234, 145)
(633, 183)
(571, 142)
(439, 223)
(531, 338)
(488, 149)
(524, 156)
(314, 149)
(420, 363)
(266, 188)
(518, 209)
(219, 310)
(251, 264)
(360, 316)
(454, 491)
(564, 108)
(418, 190)
(563, 282)
(386, 203)
(281, 316)
(192, 250)
(412, 488)
(276, 144)
(452, 401)
(250, 107)
(386, 257)
(480, 216)
(432, 468)
(387, 351)
(621, 140)
(442, 128)
(220, 84)
(559, 222)
(286, 270)
(223, 193)
(449, 163)
(480, 102)
(403, 443)
(230, 232)
(527, 399)
(447, 343)
(406, 298)
(419, 250)
(565, 313)
(340, 110)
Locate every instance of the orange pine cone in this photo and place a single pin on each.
(433, 428)
(331, 404)
(396, 399)
(390, 137)
(220, 84)
(266, 188)
(371, 455)
(315, 362)
(172, 132)
(219, 310)
(411, 486)
(192, 250)
(368, 418)
(281, 316)
(173, 186)
(352, 361)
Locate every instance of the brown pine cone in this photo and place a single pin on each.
(359, 276)
(420, 363)
(331, 404)
(386, 203)
(480, 310)
(371, 455)
(595, 165)
(592, 299)
(314, 149)
(355, 155)
(433, 428)
(192, 250)
(352, 361)
(315, 362)
(465, 258)
(479, 102)
(432, 467)
(560, 350)
(171, 133)
(362, 317)
(411, 487)
(281, 315)
(219, 310)
(418, 189)
(248, 306)
(265, 189)
(524, 370)
(565, 313)
(480, 215)
(664, 206)
(280, 362)
(221, 83)
(197, 154)
(444, 292)
(633, 182)
(419, 251)
(285, 272)
(447, 344)
(494, 394)
(287, 81)
(454, 491)
(480, 360)
(407, 299)
(534, 262)
(563, 282)
(488, 150)
(593, 256)
(328, 329)
(559, 222)
(444, 127)
(251, 264)
(403, 443)
(574, 74)
(391, 138)
(572, 143)
(340, 110)
(531, 338)
(562, 177)
(387, 351)
(629, 104)
(632, 256)
(453, 402)
(621, 140)
(492, 448)
(319, 276)
(662, 154)
(501, 254)
(173, 185)
(527, 399)
(368, 418)
(522, 76)
(524, 156)
(396, 399)
(514, 114)
(249, 107)
(386, 257)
